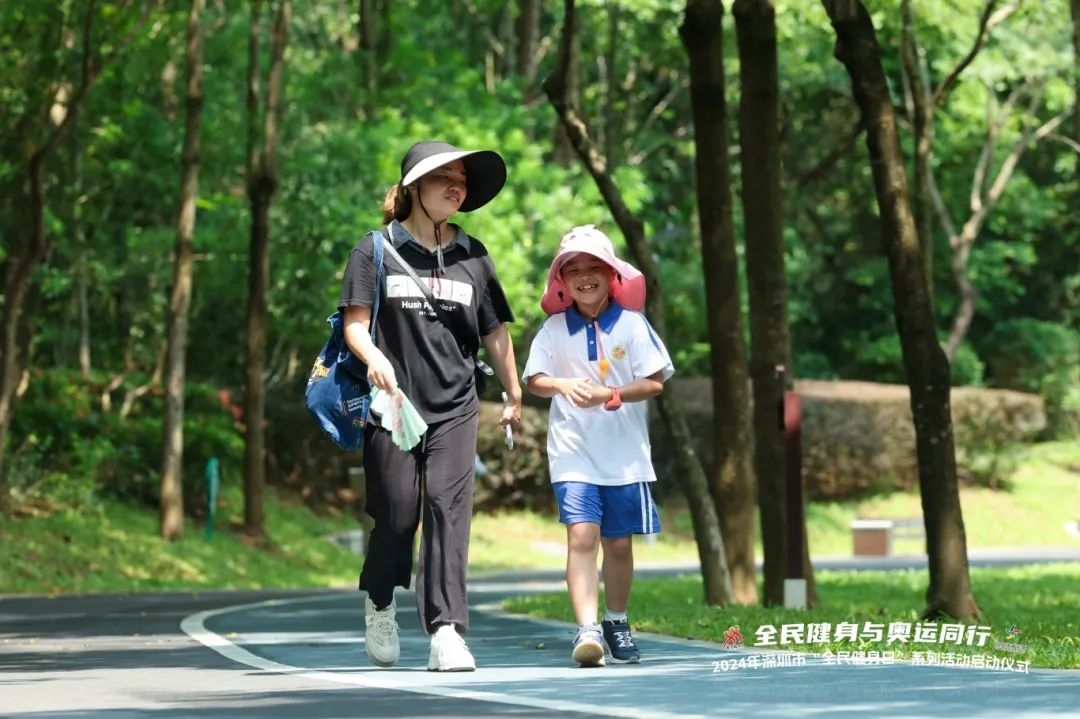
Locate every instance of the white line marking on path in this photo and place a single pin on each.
(195, 627)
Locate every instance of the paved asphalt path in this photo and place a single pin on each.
(299, 655)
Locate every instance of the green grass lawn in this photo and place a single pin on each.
(117, 548)
(1042, 601)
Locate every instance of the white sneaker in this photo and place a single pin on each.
(381, 635)
(588, 646)
(448, 652)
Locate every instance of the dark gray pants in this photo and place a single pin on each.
(436, 477)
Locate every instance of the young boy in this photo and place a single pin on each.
(598, 359)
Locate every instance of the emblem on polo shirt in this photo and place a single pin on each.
(618, 352)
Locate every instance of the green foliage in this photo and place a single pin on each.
(1043, 357)
(882, 358)
(693, 359)
(967, 369)
(71, 451)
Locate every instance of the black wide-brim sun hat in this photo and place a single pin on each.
(485, 171)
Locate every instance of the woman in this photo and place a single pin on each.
(416, 351)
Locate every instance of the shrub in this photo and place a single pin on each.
(858, 437)
(1036, 356)
(302, 458)
(966, 369)
(881, 358)
(84, 448)
(990, 427)
(517, 479)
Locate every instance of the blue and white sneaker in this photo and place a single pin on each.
(589, 646)
(620, 642)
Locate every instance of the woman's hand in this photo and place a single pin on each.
(511, 414)
(380, 372)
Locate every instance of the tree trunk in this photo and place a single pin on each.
(527, 30)
(1075, 5)
(607, 137)
(79, 241)
(732, 476)
(172, 485)
(263, 179)
(255, 316)
(565, 154)
(384, 35)
(255, 360)
(370, 57)
(18, 285)
(25, 260)
(710, 543)
(770, 344)
(949, 591)
(83, 289)
(922, 123)
(503, 43)
(968, 294)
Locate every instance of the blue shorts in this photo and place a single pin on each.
(620, 511)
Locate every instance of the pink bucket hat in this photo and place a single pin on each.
(627, 287)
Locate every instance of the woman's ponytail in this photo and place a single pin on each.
(397, 205)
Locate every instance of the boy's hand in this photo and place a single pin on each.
(598, 395)
(581, 392)
(578, 391)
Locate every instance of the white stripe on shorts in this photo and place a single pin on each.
(646, 511)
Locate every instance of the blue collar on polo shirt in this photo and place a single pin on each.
(399, 235)
(575, 320)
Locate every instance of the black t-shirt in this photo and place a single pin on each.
(427, 361)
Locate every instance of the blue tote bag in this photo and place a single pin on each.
(338, 393)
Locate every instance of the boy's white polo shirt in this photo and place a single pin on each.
(609, 447)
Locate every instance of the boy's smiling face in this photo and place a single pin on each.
(588, 280)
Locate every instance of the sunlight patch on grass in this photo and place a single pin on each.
(515, 540)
